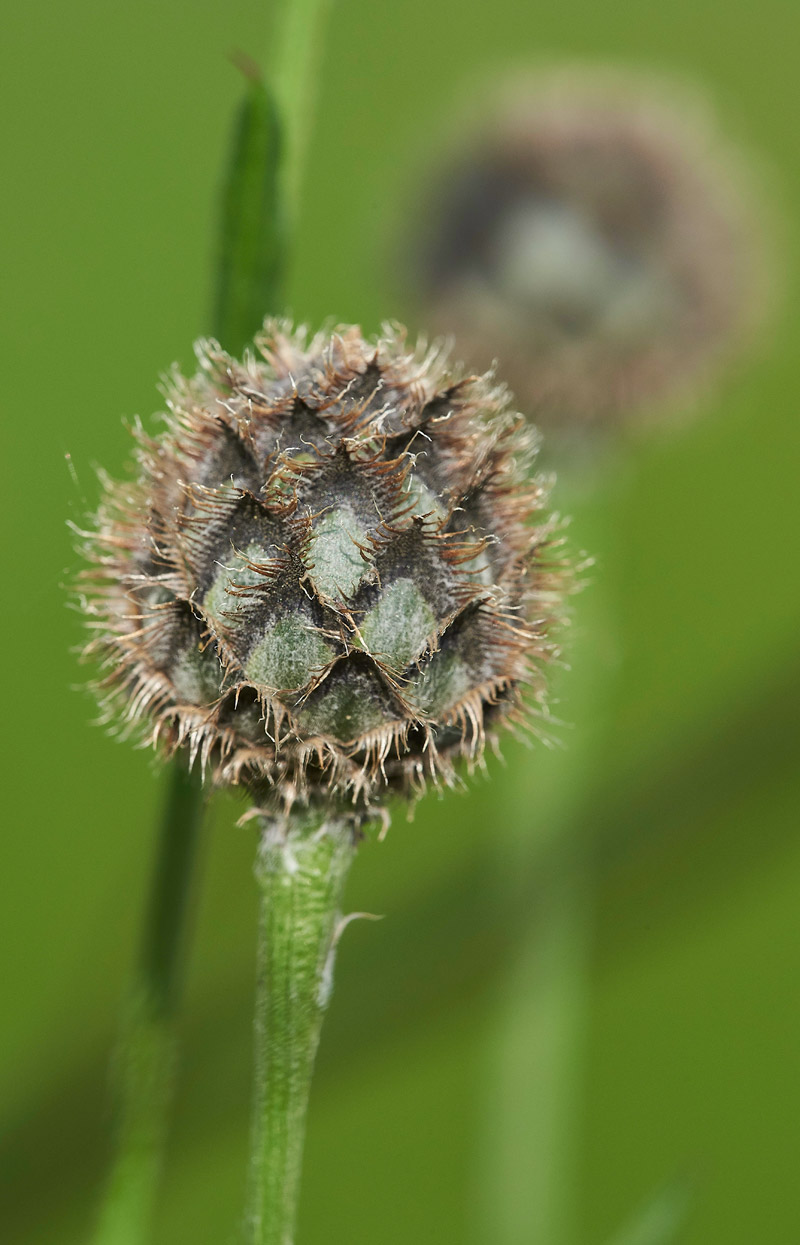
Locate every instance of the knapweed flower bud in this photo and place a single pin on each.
(588, 232)
(332, 576)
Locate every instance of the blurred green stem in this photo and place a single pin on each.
(528, 1158)
(301, 872)
(145, 1056)
(536, 1060)
(294, 73)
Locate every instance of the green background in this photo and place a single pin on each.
(685, 765)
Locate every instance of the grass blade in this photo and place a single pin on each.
(250, 264)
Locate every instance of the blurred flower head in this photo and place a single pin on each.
(589, 232)
(333, 573)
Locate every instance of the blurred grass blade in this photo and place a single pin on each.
(248, 287)
(660, 1221)
(250, 262)
(145, 1055)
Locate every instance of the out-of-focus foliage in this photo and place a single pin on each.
(115, 132)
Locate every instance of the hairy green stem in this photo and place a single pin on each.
(144, 1060)
(301, 871)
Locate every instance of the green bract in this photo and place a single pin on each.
(332, 574)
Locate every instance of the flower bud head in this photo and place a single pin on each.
(588, 234)
(332, 576)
